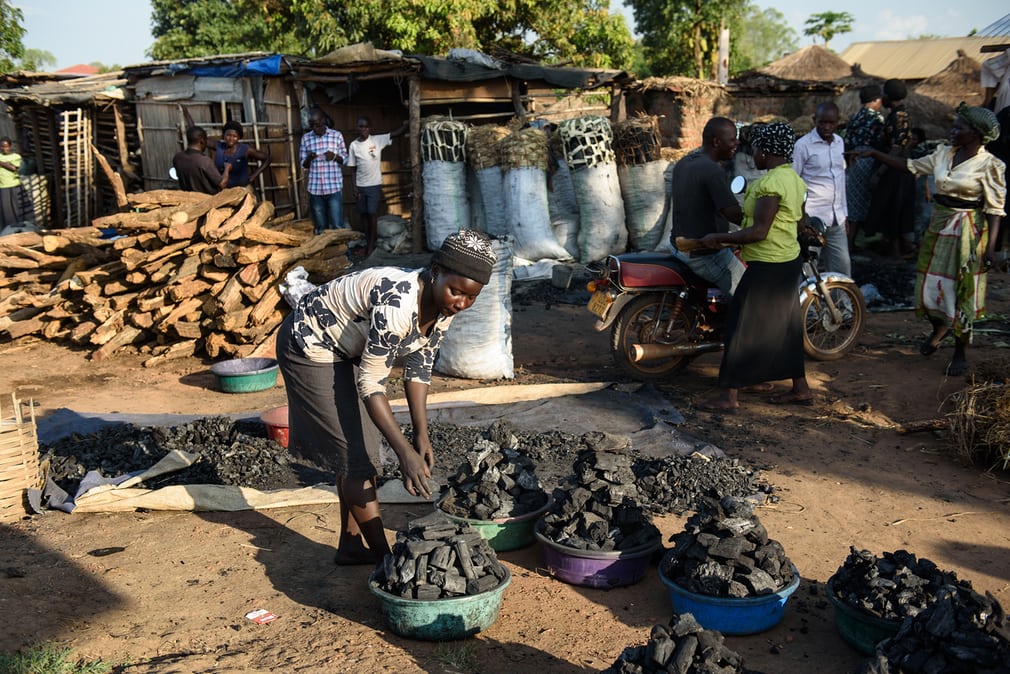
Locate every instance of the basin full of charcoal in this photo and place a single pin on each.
(684, 646)
(496, 491)
(872, 594)
(959, 632)
(596, 533)
(727, 571)
(441, 581)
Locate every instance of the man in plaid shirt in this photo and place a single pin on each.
(322, 154)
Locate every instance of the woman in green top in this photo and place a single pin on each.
(764, 327)
(11, 191)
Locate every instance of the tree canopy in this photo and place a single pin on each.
(681, 37)
(826, 25)
(12, 32)
(583, 32)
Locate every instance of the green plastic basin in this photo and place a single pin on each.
(440, 619)
(245, 375)
(507, 533)
(858, 628)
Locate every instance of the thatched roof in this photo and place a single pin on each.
(811, 63)
(934, 116)
(959, 81)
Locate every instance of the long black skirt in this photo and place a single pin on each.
(764, 326)
(327, 421)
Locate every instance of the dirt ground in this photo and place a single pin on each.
(171, 590)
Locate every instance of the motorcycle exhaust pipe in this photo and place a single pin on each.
(638, 353)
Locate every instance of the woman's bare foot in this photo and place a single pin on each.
(352, 552)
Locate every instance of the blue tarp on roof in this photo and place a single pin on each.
(271, 65)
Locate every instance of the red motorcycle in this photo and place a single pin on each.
(662, 314)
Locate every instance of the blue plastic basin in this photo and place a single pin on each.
(729, 615)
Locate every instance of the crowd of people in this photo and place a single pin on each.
(863, 178)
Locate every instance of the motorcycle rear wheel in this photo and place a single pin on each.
(643, 321)
(824, 340)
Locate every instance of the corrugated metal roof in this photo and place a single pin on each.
(998, 28)
(914, 59)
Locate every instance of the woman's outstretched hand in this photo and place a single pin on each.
(416, 471)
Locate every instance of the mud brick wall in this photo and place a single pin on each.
(682, 115)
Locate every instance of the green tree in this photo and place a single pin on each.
(681, 37)
(580, 31)
(12, 32)
(759, 37)
(38, 60)
(826, 25)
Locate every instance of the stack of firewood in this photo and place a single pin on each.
(179, 273)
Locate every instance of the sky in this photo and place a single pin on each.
(118, 32)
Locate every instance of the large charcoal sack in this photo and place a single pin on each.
(561, 197)
(642, 189)
(590, 156)
(527, 211)
(478, 344)
(665, 245)
(446, 202)
(483, 155)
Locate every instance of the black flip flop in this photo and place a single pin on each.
(928, 347)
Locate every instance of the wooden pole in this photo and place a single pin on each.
(293, 171)
(417, 205)
(256, 139)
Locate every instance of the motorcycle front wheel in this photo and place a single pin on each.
(647, 320)
(823, 338)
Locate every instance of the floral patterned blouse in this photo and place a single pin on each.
(369, 315)
(897, 131)
(865, 129)
(981, 178)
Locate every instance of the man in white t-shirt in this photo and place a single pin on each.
(365, 155)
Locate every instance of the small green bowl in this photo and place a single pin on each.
(858, 628)
(506, 533)
(245, 375)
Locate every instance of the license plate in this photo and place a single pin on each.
(599, 303)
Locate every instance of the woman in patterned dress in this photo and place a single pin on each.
(864, 130)
(959, 246)
(336, 350)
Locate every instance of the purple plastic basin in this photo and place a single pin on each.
(591, 568)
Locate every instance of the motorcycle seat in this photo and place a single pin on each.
(652, 270)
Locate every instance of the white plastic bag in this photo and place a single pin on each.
(295, 285)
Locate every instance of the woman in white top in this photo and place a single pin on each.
(336, 350)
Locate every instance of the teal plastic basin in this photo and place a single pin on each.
(730, 615)
(245, 375)
(440, 619)
(507, 533)
(858, 628)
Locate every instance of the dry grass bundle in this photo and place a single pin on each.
(483, 146)
(526, 148)
(980, 423)
(637, 140)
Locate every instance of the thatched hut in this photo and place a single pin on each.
(811, 63)
(682, 105)
(790, 87)
(959, 81)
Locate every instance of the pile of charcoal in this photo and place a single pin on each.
(598, 507)
(229, 452)
(435, 559)
(892, 586)
(724, 551)
(683, 647)
(961, 632)
(493, 483)
(677, 483)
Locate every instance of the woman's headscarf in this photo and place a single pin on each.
(983, 120)
(777, 138)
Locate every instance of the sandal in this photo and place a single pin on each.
(929, 347)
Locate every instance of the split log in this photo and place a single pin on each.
(165, 198)
(253, 254)
(213, 274)
(191, 287)
(233, 222)
(17, 329)
(282, 259)
(126, 336)
(187, 329)
(22, 239)
(114, 178)
(181, 229)
(266, 307)
(256, 292)
(82, 332)
(264, 235)
(108, 329)
(172, 352)
(255, 221)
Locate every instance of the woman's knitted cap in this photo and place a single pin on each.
(467, 253)
(983, 120)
